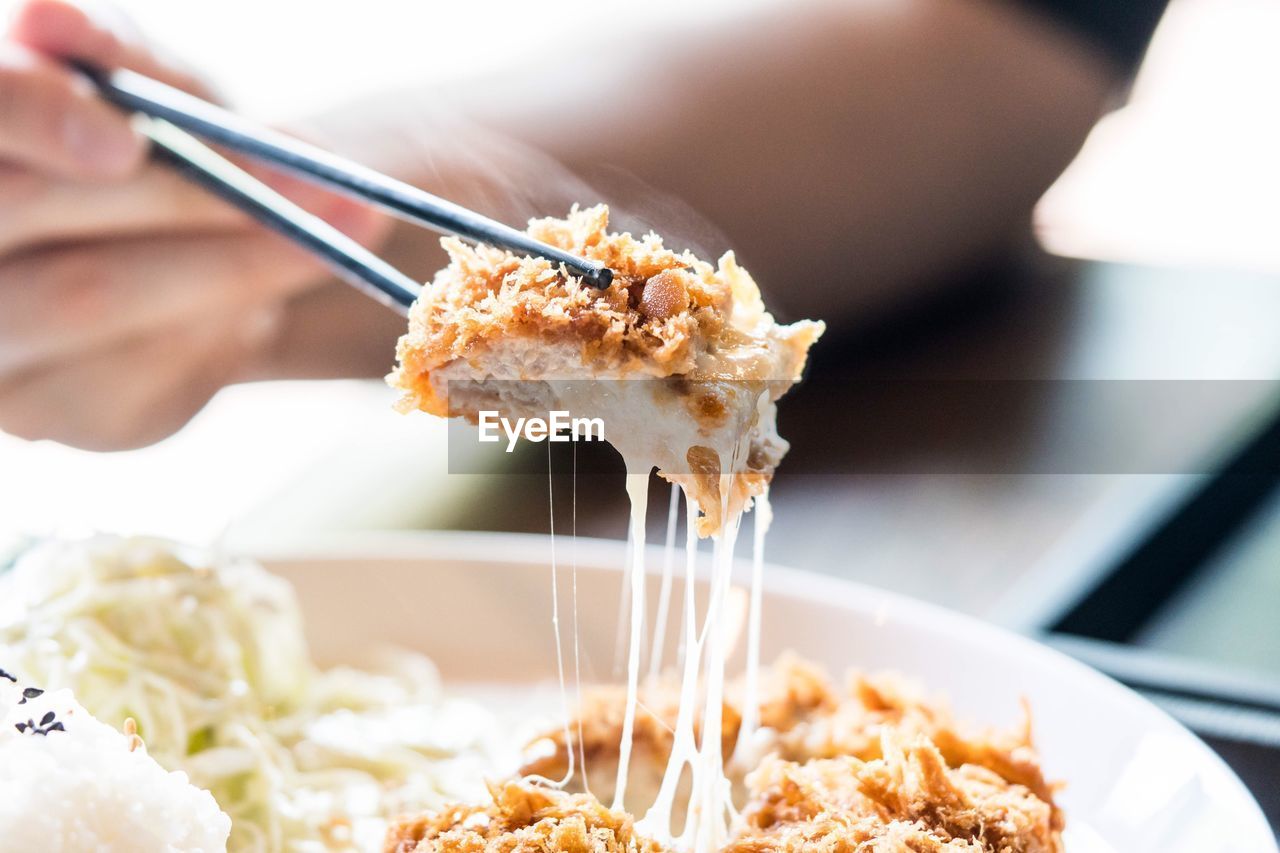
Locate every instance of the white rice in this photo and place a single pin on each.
(70, 782)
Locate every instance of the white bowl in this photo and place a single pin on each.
(480, 606)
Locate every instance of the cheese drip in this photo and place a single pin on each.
(657, 821)
(710, 810)
(638, 494)
(664, 593)
(555, 623)
(750, 746)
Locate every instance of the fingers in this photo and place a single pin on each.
(52, 121)
(58, 303)
(131, 393)
(37, 210)
(66, 31)
(34, 209)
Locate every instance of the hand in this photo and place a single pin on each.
(127, 296)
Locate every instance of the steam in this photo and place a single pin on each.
(440, 150)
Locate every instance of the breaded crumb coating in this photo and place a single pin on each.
(886, 754)
(792, 691)
(522, 818)
(664, 310)
(908, 801)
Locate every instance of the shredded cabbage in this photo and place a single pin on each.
(209, 657)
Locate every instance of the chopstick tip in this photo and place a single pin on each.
(601, 278)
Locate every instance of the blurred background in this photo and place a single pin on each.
(1156, 258)
(1184, 175)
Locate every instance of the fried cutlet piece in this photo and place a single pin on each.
(791, 690)
(717, 360)
(856, 724)
(807, 717)
(522, 818)
(873, 768)
(601, 716)
(909, 801)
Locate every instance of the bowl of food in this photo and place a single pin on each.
(1125, 776)
(457, 693)
(306, 700)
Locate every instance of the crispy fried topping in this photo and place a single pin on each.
(487, 296)
(522, 818)
(875, 764)
(791, 691)
(666, 294)
(909, 801)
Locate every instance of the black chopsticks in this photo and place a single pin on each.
(177, 109)
(348, 259)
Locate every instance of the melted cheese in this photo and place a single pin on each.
(750, 746)
(555, 624)
(658, 821)
(664, 592)
(710, 812)
(638, 493)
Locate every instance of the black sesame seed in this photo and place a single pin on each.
(46, 719)
(21, 727)
(56, 727)
(4, 674)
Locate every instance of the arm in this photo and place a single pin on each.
(850, 152)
